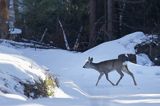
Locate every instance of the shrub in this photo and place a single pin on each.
(41, 88)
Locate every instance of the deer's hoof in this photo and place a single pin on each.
(113, 84)
(116, 84)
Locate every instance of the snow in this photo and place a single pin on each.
(77, 85)
(143, 59)
(15, 31)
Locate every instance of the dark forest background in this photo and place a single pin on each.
(84, 23)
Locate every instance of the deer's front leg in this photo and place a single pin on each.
(108, 79)
(101, 74)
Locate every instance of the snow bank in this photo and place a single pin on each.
(77, 85)
(15, 68)
(111, 49)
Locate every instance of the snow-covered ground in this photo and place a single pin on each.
(77, 85)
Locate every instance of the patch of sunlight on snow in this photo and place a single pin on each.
(151, 99)
(23, 64)
(76, 88)
(137, 101)
(14, 96)
(31, 104)
(147, 95)
(79, 90)
(60, 94)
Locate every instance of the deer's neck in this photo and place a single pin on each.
(94, 66)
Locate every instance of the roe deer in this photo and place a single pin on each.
(105, 67)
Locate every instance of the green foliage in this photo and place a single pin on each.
(41, 14)
(128, 16)
(40, 89)
(49, 84)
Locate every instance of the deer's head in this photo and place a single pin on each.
(88, 63)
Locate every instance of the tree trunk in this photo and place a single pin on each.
(11, 14)
(3, 19)
(76, 44)
(110, 19)
(121, 15)
(64, 36)
(92, 20)
(43, 35)
(105, 21)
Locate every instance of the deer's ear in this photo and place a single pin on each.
(91, 59)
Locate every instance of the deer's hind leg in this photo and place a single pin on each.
(121, 76)
(125, 69)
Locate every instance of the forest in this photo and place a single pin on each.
(77, 24)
